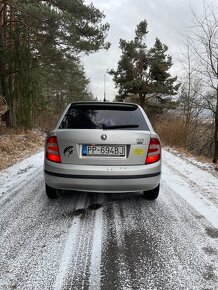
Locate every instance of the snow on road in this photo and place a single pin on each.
(110, 241)
(16, 175)
(198, 187)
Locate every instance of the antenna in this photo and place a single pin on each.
(104, 87)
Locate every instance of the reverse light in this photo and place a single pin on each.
(154, 151)
(52, 150)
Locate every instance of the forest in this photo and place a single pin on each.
(40, 44)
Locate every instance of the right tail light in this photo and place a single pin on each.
(154, 151)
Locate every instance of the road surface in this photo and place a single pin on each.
(109, 241)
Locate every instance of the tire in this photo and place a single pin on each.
(152, 194)
(51, 192)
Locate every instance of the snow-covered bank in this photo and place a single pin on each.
(193, 183)
(14, 175)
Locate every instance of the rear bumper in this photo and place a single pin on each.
(102, 178)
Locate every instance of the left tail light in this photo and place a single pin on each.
(154, 151)
(52, 150)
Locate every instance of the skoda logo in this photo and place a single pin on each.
(104, 137)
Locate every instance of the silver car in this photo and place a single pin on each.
(103, 147)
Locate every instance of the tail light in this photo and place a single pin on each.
(154, 151)
(52, 150)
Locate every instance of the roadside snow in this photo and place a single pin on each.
(210, 167)
(15, 175)
(193, 183)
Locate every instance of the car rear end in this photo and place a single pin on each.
(103, 147)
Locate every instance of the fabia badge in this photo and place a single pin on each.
(104, 137)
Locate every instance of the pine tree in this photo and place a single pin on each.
(144, 72)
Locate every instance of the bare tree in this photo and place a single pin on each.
(204, 43)
(189, 90)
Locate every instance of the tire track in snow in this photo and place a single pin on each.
(95, 267)
(84, 266)
(70, 247)
(69, 251)
(124, 272)
(81, 260)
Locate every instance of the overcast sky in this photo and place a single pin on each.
(167, 19)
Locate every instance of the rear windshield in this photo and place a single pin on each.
(122, 117)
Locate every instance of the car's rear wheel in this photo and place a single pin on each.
(152, 194)
(51, 192)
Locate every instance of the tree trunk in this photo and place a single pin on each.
(215, 156)
(2, 58)
(142, 99)
(11, 67)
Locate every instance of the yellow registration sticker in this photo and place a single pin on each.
(139, 151)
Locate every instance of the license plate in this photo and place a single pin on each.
(103, 150)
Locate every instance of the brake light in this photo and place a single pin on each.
(52, 150)
(154, 151)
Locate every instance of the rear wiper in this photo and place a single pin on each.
(119, 126)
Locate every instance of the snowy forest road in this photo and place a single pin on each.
(109, 241)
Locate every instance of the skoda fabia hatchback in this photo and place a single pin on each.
(103, 147)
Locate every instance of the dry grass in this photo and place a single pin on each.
(16, 145)
(171, 131)
(196, 140)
